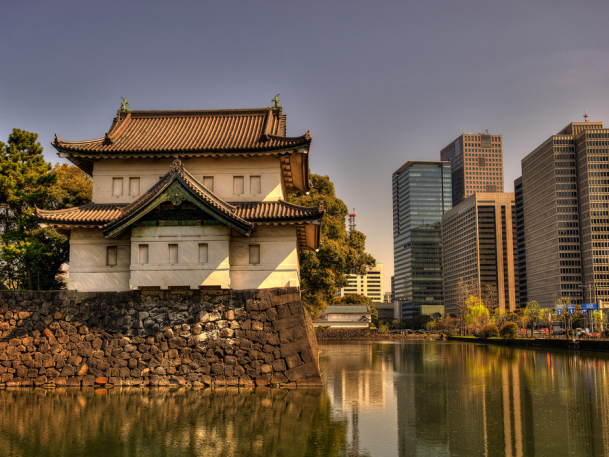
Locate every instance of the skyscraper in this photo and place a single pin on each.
(422, 192)
(477, 164)
(479, 243)
(565, 189)
(522, 260)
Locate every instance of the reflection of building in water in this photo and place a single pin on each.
(359, 381)
(488, 401)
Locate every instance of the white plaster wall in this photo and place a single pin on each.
(278, 265)
(223, 170)
(188, 271)
(88, 269)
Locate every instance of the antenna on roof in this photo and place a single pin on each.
(487, 131)
(585, 117)
(352, 221)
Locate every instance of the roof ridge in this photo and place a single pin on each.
(136, 113)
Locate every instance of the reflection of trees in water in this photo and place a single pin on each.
(167, 422)
(163, 422)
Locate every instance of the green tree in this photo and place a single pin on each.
(478, 315)
(532, 312)
(73, 187)
(25, 178)
(565, 316)
(598, 319)
(547, 317)
(509, 330)
(341, 252)
(420, 322)
(500, 317)
(30, 255)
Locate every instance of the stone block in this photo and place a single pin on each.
(296, 308)
(279, 365)
(263, 380)
(251, 305)
(307, 356)
(73, 382)
(293, 361)
(299, 345)
(302, 372)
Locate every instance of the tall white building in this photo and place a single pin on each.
(370, 285)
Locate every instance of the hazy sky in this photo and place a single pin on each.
(378, 83)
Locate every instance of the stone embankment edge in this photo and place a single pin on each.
(579, 345)
(351, 334)
(157, 338)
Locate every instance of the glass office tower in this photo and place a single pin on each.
(422, 193)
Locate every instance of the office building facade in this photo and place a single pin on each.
(369, 285)
(477, 164)
(565, 188)
(479, 244)
(422, 193)
(522, 260)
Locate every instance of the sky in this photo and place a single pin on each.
(377, 83)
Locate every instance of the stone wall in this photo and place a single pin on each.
(180, 337)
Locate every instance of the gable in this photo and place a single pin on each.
(175, 189)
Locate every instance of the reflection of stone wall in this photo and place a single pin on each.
(226, 421)
(156, 338)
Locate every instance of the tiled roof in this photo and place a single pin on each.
(89, 214)
(277, 210)
(101, 214)
(244, 213)
(346, 309)
(211, 131)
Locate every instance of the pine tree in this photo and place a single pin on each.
(30, 255)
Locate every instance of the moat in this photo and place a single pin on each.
(378, 399)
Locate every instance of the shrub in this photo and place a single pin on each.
(509, 330)
(490, 330)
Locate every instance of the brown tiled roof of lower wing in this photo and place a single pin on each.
(89, 214)
(170, 132)
(101, 214)
(277, 211)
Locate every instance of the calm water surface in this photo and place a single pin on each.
(379, 399)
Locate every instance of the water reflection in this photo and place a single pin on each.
(163, 422)
(379, 399)
(470, 400)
